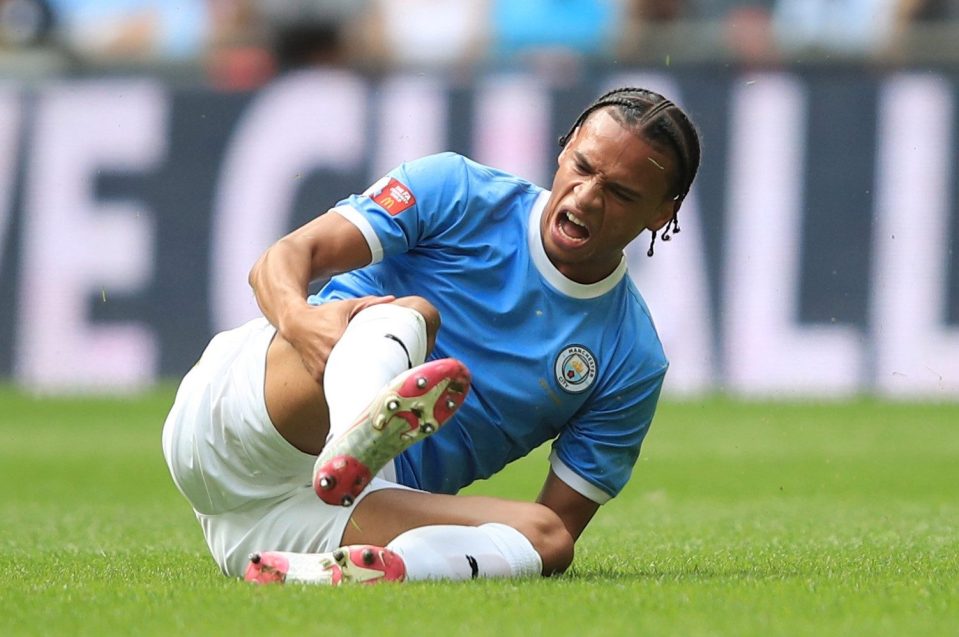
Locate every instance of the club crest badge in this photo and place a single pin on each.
(575, 369)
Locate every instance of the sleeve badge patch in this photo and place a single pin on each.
(392, 196)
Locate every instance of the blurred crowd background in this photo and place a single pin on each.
(131, 209)
(241, 44)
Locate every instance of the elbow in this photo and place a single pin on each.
(254, 274)
(255, 277)
(549, 536)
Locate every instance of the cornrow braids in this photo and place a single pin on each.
(662, 123)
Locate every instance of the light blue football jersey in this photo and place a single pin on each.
(551, 359)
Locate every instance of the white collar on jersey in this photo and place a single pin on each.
(553, 276)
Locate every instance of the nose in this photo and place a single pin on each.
(588, 195)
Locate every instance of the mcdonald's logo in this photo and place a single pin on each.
(394, 197)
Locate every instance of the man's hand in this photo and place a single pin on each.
(313, 330)
(327, 245)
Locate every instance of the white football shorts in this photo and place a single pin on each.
(250, 488)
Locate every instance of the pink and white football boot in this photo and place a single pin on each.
(411, 407)
(358, 564)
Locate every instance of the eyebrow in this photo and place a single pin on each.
(612, 185)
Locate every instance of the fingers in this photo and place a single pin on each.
(368, 301)
(323, 326)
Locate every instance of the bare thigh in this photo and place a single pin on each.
(294, 400)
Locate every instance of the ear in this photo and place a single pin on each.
(666, 211)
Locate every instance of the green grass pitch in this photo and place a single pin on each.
(741, 519)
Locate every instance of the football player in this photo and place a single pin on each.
(326, 442)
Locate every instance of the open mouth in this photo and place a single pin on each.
(572, 226)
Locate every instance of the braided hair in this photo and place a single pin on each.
(661, 123)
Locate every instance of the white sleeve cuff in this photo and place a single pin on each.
(363, 225)
(576, 483)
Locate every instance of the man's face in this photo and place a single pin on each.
(610, 186)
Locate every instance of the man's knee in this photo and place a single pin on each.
(429, 312)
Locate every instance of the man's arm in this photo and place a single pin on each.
(574, 509)
(280, 278)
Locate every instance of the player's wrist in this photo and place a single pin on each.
(291, 319)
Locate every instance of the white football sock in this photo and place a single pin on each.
(379, 343)
(466, 552)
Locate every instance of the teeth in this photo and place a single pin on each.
(570, 216)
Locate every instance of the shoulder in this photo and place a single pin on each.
(637, 337)
(454, 186)
(453, 167)
(440, 166)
